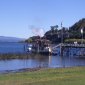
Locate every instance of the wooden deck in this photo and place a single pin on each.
(64, 46)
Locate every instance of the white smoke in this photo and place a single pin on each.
(37, 31)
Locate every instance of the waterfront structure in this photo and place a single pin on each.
(65, 48)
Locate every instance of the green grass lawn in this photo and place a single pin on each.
(59, 76)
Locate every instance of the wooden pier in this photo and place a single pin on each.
(66, 48)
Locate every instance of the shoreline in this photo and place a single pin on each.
(8, 56)
(36, 69)
(22, 70)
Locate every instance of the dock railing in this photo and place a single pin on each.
(69, 45)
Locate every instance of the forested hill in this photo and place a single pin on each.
(55, 34)
(75, 30)
(78, 25)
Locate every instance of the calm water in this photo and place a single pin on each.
(40, 61)
(34, 61)
(8, 47)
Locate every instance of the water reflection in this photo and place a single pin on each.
(36, 60)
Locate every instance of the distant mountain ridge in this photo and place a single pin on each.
(10, 39)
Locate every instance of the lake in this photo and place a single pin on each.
(36, 60)
(40, 61)
(12, 47)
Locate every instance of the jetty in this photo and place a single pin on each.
(41, 46)
(59, 49)
(65, 48)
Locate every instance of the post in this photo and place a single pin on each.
(82, 35)
(62, 55)
(38, 50)
(61, 50)
(61, 33)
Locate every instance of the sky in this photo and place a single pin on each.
(23, 18)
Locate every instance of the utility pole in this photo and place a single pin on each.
(61, 33)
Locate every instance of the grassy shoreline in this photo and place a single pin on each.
(7, 56)
(59, 76)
